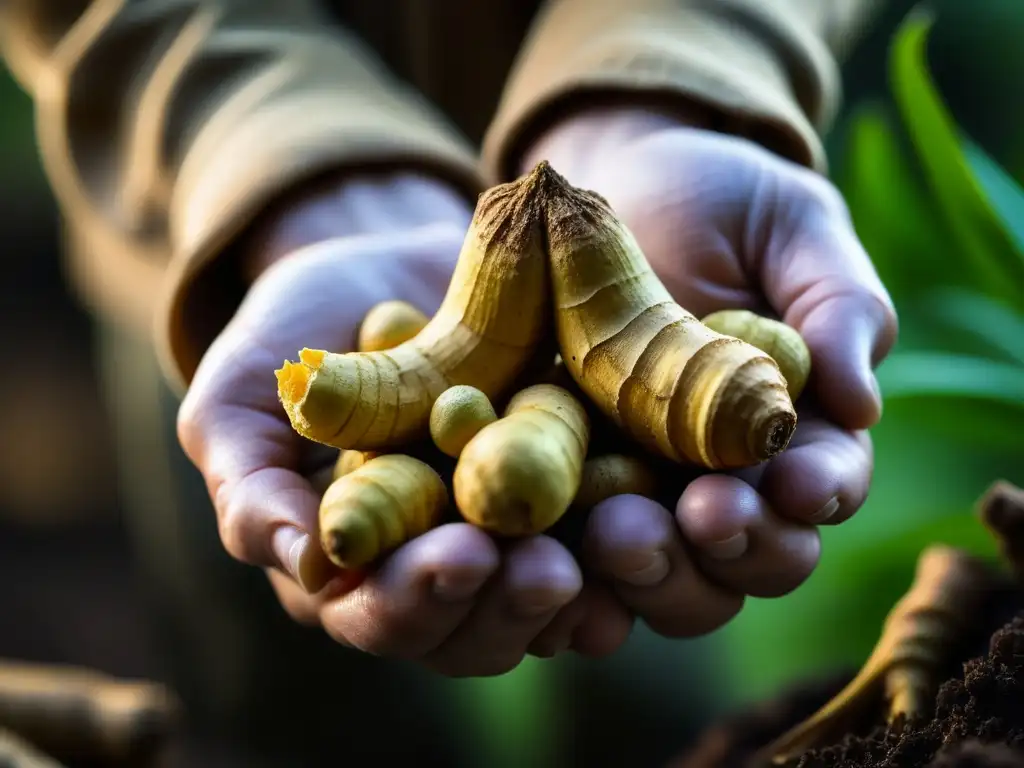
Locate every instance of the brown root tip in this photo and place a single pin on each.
(1001, 509)
(335, 544)
(772, 434)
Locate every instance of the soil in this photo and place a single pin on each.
(978, 719)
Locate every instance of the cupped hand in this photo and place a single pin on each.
(450, 599)
(727, 224)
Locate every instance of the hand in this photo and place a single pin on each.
(448, 599)
(727, 224)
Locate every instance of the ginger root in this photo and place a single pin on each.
(519, 475)
(782, 342)
(611, 475)
(349, 461)
(80, 714)
(673, 384)
(389, 324)
(379, 506)
(942, 603)
(493, 318)
(458, 414)
(16, 753)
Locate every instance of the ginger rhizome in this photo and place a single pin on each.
(492, 319)
(458, 414)
(673, 384)
(614, 474)
(389, 324)
(919, 634)
(545, 270)
(378, 506)
(519, 475)
(782, 342)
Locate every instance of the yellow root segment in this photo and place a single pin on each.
(84, 715)
(458, 414)
(673, 384)
(494, 316)
(917, 638)
(389, 324)
(350, 461)
(378, 507)
(614, 475)
(782, 342)
(519, 475)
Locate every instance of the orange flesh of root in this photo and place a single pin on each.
(292, 381)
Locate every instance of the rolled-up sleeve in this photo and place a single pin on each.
(767, 69)
(169, 125)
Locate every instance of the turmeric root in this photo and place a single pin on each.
(81, 715)
(458, 414)
(389, 324)
(493, 318)
(1001, 511)
(783, 342)
(349, 461)
(379, 506)
(669, 381)
(519, 475)
(917, 637)
(15, 753)
(614, 475)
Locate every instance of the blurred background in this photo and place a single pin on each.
(929, 153)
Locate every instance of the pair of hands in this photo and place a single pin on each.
(725, 224)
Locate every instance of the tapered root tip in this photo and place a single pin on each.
(343, 550)
(771, 435)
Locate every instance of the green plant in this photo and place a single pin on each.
(944, 223)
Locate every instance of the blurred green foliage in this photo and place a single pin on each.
(943, 220)
(938, 203)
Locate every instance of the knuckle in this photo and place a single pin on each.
(188, 427)
(236, 529)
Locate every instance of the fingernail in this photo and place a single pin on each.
(650, 573)
(827, 511)
(727, 549)
(292, 549)
(454, 588)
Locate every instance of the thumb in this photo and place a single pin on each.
(819, 278)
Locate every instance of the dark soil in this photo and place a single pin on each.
(978, 720)
(978, 723)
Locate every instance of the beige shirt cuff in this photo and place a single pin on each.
(765, 78)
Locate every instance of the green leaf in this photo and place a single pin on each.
(973, 314)
(989, 252)
(1004, 193)
(892, 213)
(941, 374)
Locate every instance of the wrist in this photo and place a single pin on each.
(349, 206)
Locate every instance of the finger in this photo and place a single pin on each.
(778, 554)
(418, 596)
(297, 603)
(595, 624)
(635, 542)
(304, 607)
(231, 424)
(819, 278)
(822, 478)
(539, 578)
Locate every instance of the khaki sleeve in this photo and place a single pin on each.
(169, 125)
(764, 69)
